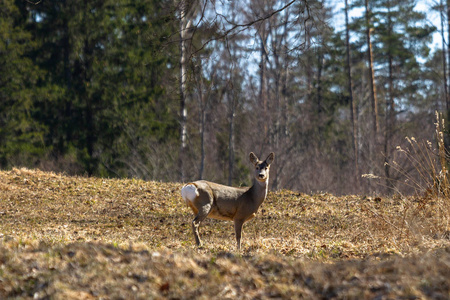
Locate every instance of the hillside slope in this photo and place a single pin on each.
(77, 237)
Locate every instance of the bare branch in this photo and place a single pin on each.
(241, 26)
(34, 3)
(268, 16)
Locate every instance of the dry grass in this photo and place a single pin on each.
(75, 237)
(428, 212)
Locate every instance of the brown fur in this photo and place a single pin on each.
(227, 203)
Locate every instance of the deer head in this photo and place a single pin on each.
(261, 167)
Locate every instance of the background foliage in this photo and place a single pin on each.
(92, 87)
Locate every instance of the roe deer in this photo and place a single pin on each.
(209, 199)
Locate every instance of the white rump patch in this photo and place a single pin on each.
(189, 192)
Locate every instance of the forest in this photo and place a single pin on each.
(180, 90)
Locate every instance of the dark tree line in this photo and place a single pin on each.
(180, 90)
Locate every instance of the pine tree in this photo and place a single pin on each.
(402, 35)
(21, 133)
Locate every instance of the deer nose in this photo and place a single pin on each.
(261, 175)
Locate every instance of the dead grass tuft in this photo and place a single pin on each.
(423, 195)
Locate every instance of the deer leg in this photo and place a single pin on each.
(238, 229)
(202, 214)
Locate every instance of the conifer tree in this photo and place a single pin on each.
(21, 133)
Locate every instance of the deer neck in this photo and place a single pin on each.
(259, 190)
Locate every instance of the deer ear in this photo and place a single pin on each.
(253, 158)
(270, 158)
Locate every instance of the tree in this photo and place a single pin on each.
(107, 58)
(401, 35)
(104, 87)
(373, 87)
(353, 111)
(185, 25)
(398, 36)
(21, 132)
(440, 8)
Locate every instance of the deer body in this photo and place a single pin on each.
(217, 201)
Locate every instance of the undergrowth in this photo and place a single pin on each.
(424, 191)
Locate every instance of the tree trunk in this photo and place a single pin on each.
(444, 58)
(68, 113)
(448, 48)
(89, 110)
(319, 82)
(390, 113)
(373, 89)
(202, 134)
(262, 83)
(447, 99)
(183, 76)
(232, 108)
(353, 114)
(373, 93)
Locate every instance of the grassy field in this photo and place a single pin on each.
(67, 237)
